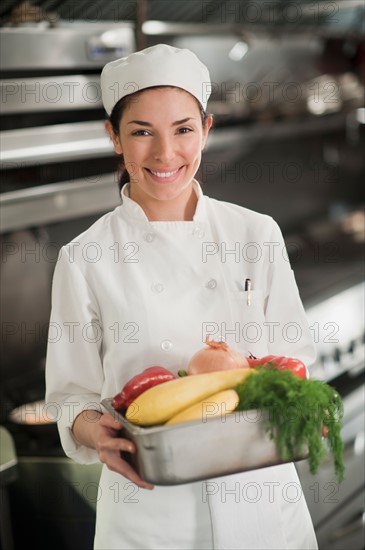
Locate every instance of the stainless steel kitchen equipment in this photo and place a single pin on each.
(46, 98)
(338, 509)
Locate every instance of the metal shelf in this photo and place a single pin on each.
(59, 142)
(57, 202)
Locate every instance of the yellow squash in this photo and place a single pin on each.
(219, 404)
(160, 403)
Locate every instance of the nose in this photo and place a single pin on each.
(164, 149)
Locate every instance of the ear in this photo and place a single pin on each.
(115, 139)
(208, 125)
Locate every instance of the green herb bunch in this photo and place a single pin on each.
(296, 412)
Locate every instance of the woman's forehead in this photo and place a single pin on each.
(164, 99)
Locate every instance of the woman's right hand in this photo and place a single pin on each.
(103, 435)
(109, 444)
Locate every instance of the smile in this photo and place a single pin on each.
(164, 174)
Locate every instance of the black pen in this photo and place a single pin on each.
(248, 290)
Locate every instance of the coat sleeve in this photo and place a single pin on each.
(74, 373)
(288, 329)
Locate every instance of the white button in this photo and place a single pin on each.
(198, 232)
(158, 287)
(149, 237)
(211, 284)
(166, 345)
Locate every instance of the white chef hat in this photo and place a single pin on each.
(160, 65)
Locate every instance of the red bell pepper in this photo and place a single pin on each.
(138, 384)
(281, 363)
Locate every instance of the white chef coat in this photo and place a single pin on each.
(128, 294)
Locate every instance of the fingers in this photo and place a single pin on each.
(134, 477)
(108, 421)
(127, 471)
(115, 463)
(117, 444)
(108, 438)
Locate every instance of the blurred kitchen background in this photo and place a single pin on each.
(289, 135)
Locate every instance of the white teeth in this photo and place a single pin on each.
(163, 174)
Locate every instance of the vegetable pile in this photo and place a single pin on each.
(297, 410)
(161, 403)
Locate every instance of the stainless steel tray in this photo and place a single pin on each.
(197, 450)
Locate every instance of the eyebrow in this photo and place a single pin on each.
(145, 123)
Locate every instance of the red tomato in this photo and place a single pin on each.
(281, 363)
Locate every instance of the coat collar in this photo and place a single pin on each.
(134, 211)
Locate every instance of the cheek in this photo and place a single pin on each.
(133, 152)
(129, 158)
(193, 149)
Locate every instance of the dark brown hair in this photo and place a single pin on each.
(115, 118)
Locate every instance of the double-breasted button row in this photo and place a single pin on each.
(159, 287)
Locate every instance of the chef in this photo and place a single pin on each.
(146, 285)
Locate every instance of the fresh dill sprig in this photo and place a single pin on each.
(296, 411)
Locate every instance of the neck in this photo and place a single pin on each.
(181, 208)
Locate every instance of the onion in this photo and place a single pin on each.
(216, 356)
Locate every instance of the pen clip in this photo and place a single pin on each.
(248, 286)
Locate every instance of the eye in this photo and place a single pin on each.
(184, 130)
(140, 133)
